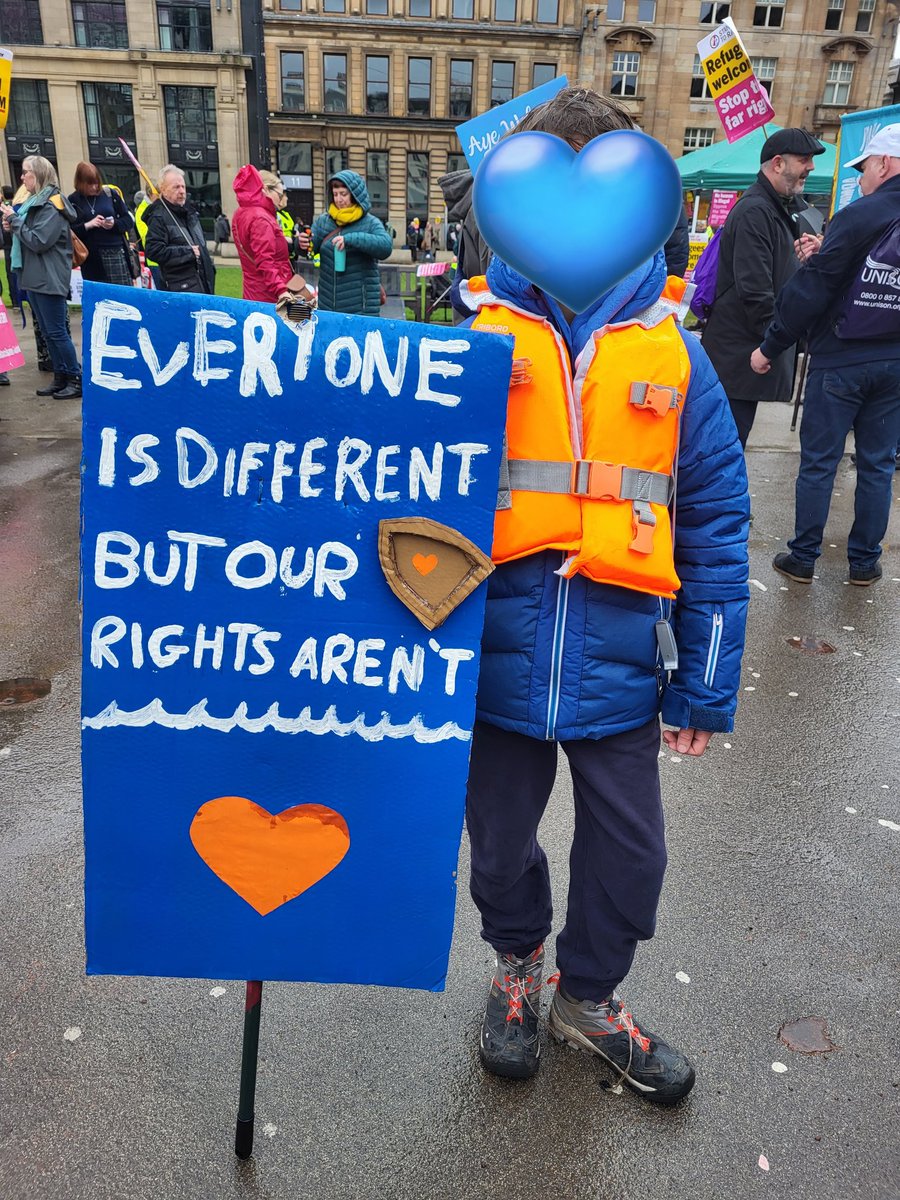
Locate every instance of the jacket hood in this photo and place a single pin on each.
(356, 185)
(457, 191)
(631, 295)
(248, 187)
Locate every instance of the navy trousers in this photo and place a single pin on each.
(617, 860)
(866, 399)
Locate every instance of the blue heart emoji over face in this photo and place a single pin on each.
(577, 224)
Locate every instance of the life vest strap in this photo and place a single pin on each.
(590, 480)
(656, 397)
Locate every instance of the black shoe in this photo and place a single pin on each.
(510, 1032)
(865, 576)
(785, 564)
(648, 1065)
(50, 389)
(4, 379)
(72, 390)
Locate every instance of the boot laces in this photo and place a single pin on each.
(519, 990)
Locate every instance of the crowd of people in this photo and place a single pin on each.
(606, 611)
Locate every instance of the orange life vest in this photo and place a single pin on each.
(591, 454)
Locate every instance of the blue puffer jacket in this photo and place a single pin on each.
(569, 658)
(356, 289)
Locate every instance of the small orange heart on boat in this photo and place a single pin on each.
(425, 563)
(268, 859)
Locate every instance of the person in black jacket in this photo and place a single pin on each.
(756, 259)
(854, 381)
(677, 249)
(175, 238)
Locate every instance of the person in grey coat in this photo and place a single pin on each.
(42, 255)
(756, 259)
(175, 238)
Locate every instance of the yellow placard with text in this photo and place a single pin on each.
(726, 65)
(5, 78)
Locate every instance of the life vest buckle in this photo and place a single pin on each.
(596, 480)
(658, 398)
(520, 371)
(643, 524)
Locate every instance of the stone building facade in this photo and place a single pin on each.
(169, 77)
(378, 85)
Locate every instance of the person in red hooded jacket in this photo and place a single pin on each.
(261, 245)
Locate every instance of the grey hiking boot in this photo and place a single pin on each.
(648, 1065)
(510, 1032)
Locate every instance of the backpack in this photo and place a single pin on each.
(872, 304)
(704, 278)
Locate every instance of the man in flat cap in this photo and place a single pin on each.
(846, 301)
(756, 259)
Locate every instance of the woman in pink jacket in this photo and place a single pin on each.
(261, 245)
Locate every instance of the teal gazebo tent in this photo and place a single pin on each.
(736, 165)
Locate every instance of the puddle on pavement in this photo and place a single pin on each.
(811, 645)
(809, 1035)
(14, 692)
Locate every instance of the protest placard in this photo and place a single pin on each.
(856, 130)
(741, 102)
(482, 133)
(720, 205)
(275, 747)
(6, 60)
(10, 352)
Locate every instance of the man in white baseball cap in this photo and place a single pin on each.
(845, 301)
(883, 144)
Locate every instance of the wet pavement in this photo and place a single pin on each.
(781, 905)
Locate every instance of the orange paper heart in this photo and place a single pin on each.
(268, 860)
(425, 563)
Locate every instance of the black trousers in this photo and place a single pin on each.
(744, 413)
(617, 859)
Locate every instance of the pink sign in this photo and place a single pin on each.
(743, 108)
(720, 206)
(10, 354)
(432, 268)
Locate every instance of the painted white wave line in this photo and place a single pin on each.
(198, 718)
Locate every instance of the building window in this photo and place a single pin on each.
(646, 12)
(377, 89)
(335, 71)
(503, 82)
(769, 15)
(101, 25)
(504, 10)
(615, 10)
(417, 184)
(334, 6)
(337, 159)
(713, 14)
(457, 162)
(764, 70)
(186, 25)
(542, 73)
(625, 67)
(547, 12)
(420, 8)
(695, 138)
(699, 84)
(294, 161)
(376, 8)
(834, 14)
(293, 82)
(20, 23)
(29, 109)
(190, 115)
(377, 177)
(291, 5)
(837, 86)
(108, 110)
(463, 10)
(461, 75)
(418, 87)
(864, 16)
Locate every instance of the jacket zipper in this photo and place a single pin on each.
(715, 643)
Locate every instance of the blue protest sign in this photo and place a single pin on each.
(483, 132)
(856, 130)
(275, 747)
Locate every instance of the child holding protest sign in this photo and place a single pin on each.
(610, 404)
